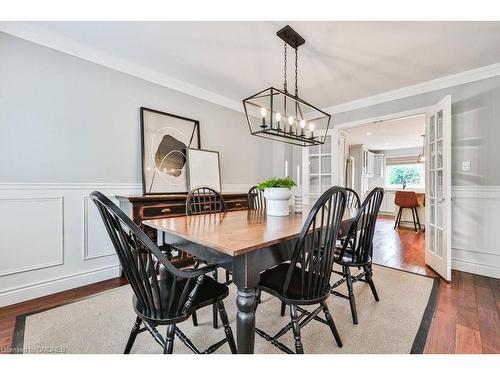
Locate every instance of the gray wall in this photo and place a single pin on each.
(64, 119)
(475, 127)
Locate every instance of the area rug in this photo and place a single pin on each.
(101, 323)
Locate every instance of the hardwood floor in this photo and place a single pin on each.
(466, 319)
(403, 249)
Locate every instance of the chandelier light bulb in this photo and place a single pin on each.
(311, 127)
(278, 116)
(302, 123)
(263, 112)
(290, 120)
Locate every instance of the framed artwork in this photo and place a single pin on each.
(165, 139)
(204, 168)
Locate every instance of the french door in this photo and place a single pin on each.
(438, 188)
(318, 165)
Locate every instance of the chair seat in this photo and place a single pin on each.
(273, 280)
(209, 292)
(346, 260)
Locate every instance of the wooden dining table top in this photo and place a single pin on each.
(237, 232)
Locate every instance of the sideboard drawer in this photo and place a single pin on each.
(237, 204)
(149, 212)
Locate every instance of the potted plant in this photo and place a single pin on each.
(277, 193)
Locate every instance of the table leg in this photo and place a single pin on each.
(245, 320)
(245, 276)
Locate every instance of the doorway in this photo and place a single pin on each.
(390, 151)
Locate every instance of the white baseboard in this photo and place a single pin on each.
(479, 269)
(28, 292)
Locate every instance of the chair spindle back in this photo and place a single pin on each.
(256, 200)
(360, 236)
(142, 261)
(204, 200)
(314, 250)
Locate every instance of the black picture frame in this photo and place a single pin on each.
(193, 134)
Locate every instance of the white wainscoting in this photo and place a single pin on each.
(52, 238)
(475, 222)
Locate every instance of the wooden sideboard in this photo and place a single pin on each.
(143, 207)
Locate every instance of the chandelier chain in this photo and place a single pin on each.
(284, 73)
(296, 72)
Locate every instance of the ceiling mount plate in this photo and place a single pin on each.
(291, 37)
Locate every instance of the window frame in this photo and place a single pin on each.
(408, 185)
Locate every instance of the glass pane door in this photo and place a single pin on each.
(320, 169)
(435, 191)
(438, 191)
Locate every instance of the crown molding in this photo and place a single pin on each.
(38, 35)
(49, 39)
(468, 76)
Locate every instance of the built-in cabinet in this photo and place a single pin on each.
(378, 165)
(388, 206)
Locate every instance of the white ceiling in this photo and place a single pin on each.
(340, 62)
(389, 135)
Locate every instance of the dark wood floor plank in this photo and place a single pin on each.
(466, 291)
(442, 334)
(448, 300)
(468, 318)
(468, 341)
(489, 328)
(495, 287)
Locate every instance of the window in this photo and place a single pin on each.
(411, 174)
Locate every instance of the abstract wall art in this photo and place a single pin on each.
(165, 140)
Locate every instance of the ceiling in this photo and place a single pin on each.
(340, 62)
(389, 135)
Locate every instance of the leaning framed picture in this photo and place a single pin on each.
(204, 168)
(165, 139)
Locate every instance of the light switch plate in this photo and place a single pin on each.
(466, 166)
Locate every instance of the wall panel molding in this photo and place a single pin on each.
(475, 221)
(69, 186)
(58, 235)
(87, 250)
(81, 259)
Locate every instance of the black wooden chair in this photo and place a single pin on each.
(357, 250)
(256, 200)
(206, 200)
(305, 280)
(352, 199)
(163, 294)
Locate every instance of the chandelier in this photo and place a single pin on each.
(279, 115)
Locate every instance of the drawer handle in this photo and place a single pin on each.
(166, 210)
(238, 204)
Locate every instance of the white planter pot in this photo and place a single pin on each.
(277, 201)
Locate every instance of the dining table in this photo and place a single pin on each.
(245, 242)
